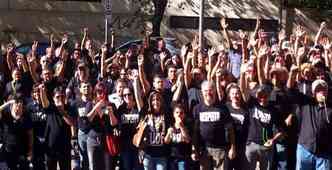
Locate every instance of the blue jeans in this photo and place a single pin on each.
(96, 152)
(307, 161)
(129, 159)
(281, 157)
(178, 164)
(84, 160)
(154, 163)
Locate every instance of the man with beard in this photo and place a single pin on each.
(73, 87)
(314, 114)
(16, 85)
(213, 131)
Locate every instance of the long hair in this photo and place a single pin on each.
(150, 107)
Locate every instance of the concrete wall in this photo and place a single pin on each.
(28, 20)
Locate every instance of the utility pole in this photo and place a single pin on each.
(201, 26)
(108, 16)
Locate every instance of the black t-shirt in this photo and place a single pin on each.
(211, 124)
(15, 133)
(179, 149)
(263, 122)
(57, 135)
(240, 122)
(128, 123)
(154, 134)
(82, 108)
(23, 86)
(39, 119)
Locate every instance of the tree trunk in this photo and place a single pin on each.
(160, 6)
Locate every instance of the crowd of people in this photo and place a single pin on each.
(254, 101)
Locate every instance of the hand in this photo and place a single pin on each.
(104, 49)
(223, 23)
(42, 87)
(299, 32)
(219, 70)
(85, 30)
(170, 131)
(10, 102)
(288, 120)
(301, 52)
(194, 156)
(242, 35)
(326, 43)
(231, 153)
(258, 22)
(34, 46)
(162, 56)
(10, 48)
(269, 143)
(52, 37)
(140, 60)
(322, 25)
(253, 42)
(195, 44)
(282, 35)
(109, 110)
(294, 69)
(64, 39)
(263, 51)
(184, 50)
(211, 51)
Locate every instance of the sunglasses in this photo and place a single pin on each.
(127, 94)
(57, 96)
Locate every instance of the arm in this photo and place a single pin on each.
(3, 106)
(185, 134)
(32, 63)
(262, 56)
(292, 76)
(257, 27)
(232, 151)
(10, 56)
(220, 93)
(103, 58)
(85, 34)
(67, 118)
(184, 53)
(163, 57)
(244, 42)
(224, 26)
(144, 82)
(43, 96)
(52, 43)
(187, 72)
(94, 111)
(195, 48)
(138, 94)
(169, 135)
(113, 119)
(211, 53)
(244, 83)
(30, 144)
(179, 84)
(321, 28)
(60, 69)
